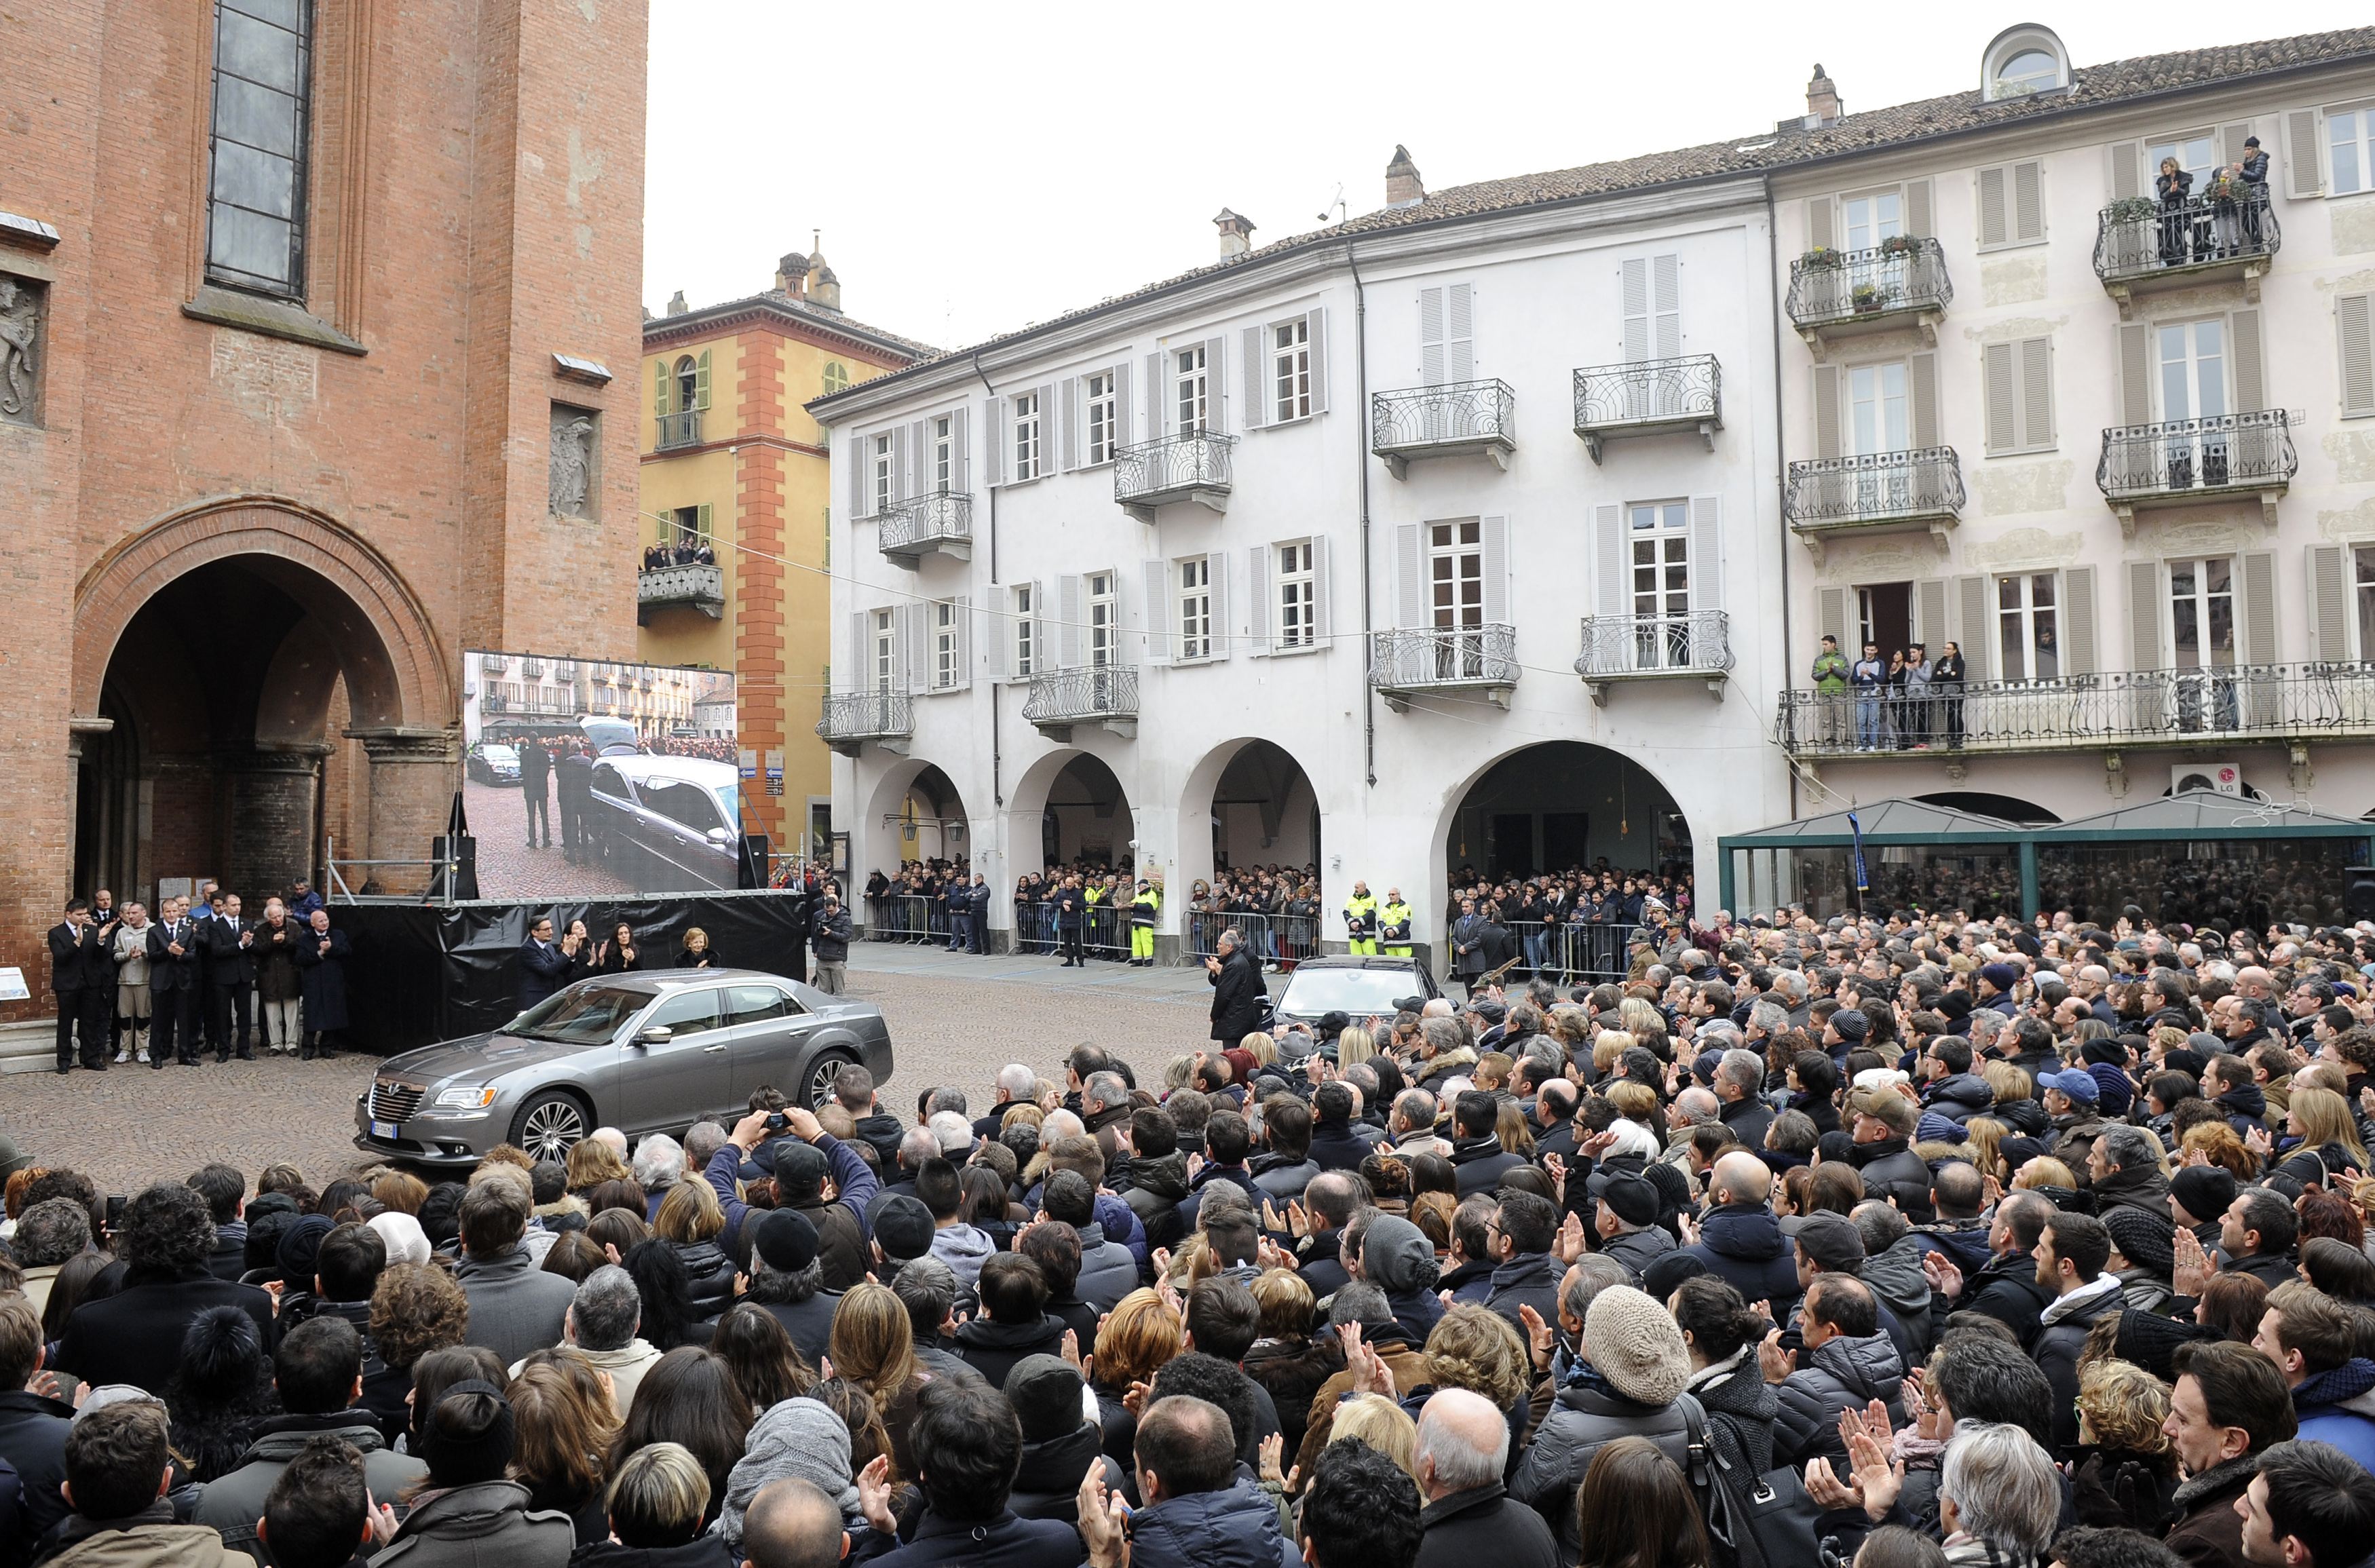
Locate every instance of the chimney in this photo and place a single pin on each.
(1403, 187)
(1237, 234)
(824, 287)
(792, 275)
(676, 305)
(1822, 98)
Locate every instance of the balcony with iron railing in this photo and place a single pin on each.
(694, 587)
(2188, 462)
(1877, 493)
(1899, 283)
(494, 663)
(532, 668)
(1087, 694)
(2261, 704)
(1459, 419)
(565, 670)
(1189, 466)
(677, 430)
(1421, 660)
(853, 718)
(2142, 247)
(1694, 645)
(529, 703)
(940, 523)
(1649, 397)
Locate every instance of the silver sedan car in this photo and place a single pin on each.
(645, 1051)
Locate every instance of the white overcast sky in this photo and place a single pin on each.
(976, 167)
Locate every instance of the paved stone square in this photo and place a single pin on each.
(953, 1020)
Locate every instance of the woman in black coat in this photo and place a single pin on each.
(322, 956)
(620, 953)
(1237, 990)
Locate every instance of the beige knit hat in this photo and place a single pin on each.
(1637, 1345)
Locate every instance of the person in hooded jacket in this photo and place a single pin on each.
(1892, 1267)
(2310, 1337)
(963, 1247)
(656, 1505)
(1195, 1510)
(692, 1222)
(1951, 1089)
(1846, 1362)
(470, 1516)
(2071, 1252)
(2072, 1099)
(1627, 1382)
(1723, 1336)
(2123, 1171)
(1015, 1321)
(118, 1467)
(1396, 1257)
(1061, 1449)
(1739, 1240)
(967, 1448)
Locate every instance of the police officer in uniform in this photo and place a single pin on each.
(1143, 909)
(1394, 925)
(1099, 896)
(1360, 920)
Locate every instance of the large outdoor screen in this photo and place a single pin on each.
(583, 777)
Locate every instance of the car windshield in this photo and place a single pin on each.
(588, 1014)
(502, 754)
(1359, 991)
(730, 798)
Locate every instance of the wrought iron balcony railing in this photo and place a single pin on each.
(532, 668)
(1105, 694)
(530, 703)
(1421, 659)
(701, 587)
(494, 663)
(1442, 421)
(920, 525)
(2139, 242)
(1190, 466)
(1649, 397)
(679, 430)
(1697, 643)
(853, 718)
(2179, 461)
(1834, 290)
(2236, 703)
(1885, 489)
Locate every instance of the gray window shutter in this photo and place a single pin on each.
(1319, 622)
(1930, 614)
(1608, 541)
(1043, 656)
(1068, 395)
(1216, 567)
(1818, 223)
(961, 451)
(1921, 395)
(1917, 209)
(2123, 169)
(2077, 621)
(902, 461)
(1995, 226)
(964, 640)
(2027, 202)
(1666, 304)
(1636, 309)
(999, 619)
(2259, 607)
(1071, 606)
(1316, 329)
(2251, 378)
(919, 460)
(2144, 615)
(1216, 374)
(2036, 393)
(1256, 357)
(861, 656)
(1158, 612)
(1971, 629)
(1459, 332)
(2353, 319)
(1051, 430)
(2327, 592)
(1410, 577)
(1258, 604)
(993, 441)
(1826, 410)
(2303, 176)
(1496, 531)
(857, 507)
(1831, 616)
(2002, 397)
(1158, 396)
(1429, 336)
(2230, 139)
(1122, 410)
(2135, 374)
(919, 645)
(1707, 552)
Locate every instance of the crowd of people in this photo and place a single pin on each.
(688, 550)
(1901, 1244)
(1904, 701)
(137, 988)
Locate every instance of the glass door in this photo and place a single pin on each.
(1455, 601)
(1878, 423)
(2201, 644)
(1661, 586)
(2192, 356)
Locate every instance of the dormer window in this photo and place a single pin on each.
(2024, 61)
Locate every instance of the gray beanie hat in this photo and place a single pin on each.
(798, 1437)
(1637, 1345)
(1396, 1254)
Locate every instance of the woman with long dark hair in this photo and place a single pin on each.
(690, 1397)
(758, 1350)
(1635, 1510)
(563, 1422)
(670, 1319)
(221, 1395)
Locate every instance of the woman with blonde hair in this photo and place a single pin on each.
(1353, 1046)
(1637, 1120)
(1384, 1426)
(2128, 1465)
(1984, 1133)
(696, 952)
(591, 1163)
(874, 1347)
(2319, 1116)
(1261, 1047)
(563, 1422)
(399, 1191)
(1133, 1342)
(1510, 1127)
(2214, 1143)
(691, 1221)
(1472, 1347)
(2045, 1170)
(1606, 1046)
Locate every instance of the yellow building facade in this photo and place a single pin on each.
(736, 488)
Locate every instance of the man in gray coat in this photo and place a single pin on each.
(318, 1372)
(515, 1306)
(1107, 1271)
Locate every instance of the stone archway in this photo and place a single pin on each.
(230, 638)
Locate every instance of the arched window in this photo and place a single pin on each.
(2022, 61)
(2031, 70)
(688, 383)
(836, 376)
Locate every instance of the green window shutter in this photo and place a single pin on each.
(705, 537)
(659, 388)
(701, 381)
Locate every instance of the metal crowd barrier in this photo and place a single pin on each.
(1571, 952)
(901, 917)
(1282, 940)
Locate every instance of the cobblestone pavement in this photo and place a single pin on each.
(509, 869)
(953, 1020)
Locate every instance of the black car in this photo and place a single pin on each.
(1356, 986)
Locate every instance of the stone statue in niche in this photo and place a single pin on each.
(20, 325)
(572, 461)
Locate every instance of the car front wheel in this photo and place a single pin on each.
(820, 1077)
(550, 1124)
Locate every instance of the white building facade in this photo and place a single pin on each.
(2122, 454)
(1432, 541)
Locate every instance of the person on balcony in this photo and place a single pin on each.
(1913, 733)
(2254, 173)
(2175, 188)
(1946, 678)
(1830, 678)
(1869, 677)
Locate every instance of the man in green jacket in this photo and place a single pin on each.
(1830, 674)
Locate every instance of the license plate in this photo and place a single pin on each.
(384, 1130)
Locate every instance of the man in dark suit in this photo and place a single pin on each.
(99, 975)
(227, 944)
(574, 777)
(544, 968)
(136, 1336)
(536, 788)
(73, 955)
(175, 982)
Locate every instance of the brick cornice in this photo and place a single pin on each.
(725, 321)
(724, 443)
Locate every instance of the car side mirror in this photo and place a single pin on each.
(720, 837)
(658, 1035)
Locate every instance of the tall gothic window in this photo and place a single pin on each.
(255, 193)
